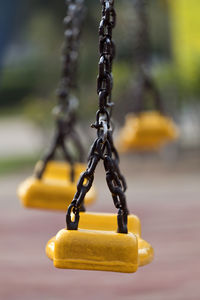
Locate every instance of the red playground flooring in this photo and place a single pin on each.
(167, 200)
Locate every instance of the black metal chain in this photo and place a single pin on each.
(73, 27)
(65, 111)
(145, 82)
(103, 147)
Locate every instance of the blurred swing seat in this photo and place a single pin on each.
(96, 245)
(61, 170)
(146, 131)
(55, 190)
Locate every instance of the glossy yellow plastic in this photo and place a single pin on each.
(90, 226)
(185, 25)
(54, 191)
(96, 250)
(61, 170)
(146, 131)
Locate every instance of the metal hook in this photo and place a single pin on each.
(72, 225)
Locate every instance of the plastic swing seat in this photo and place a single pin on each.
(61, 170)
(96, 245)
(55, 190)
(146, 131)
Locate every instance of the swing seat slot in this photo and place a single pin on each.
(147, 131)
(107, 222)
(53, 193)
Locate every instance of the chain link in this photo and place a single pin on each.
(65, 111)
(103, 147)
(73, 24)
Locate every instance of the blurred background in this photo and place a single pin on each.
(163, 186)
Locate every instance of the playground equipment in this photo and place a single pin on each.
(101, 241)
(54, 183)
(145, 129)
(55, 190)
(106, 222)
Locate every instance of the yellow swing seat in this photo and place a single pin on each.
(61, 170)
(96, 245)
(146, 131)
(55, 190)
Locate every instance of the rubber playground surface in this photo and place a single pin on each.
(166, 198)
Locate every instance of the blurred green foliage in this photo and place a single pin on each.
(32, 65)
(8, 165)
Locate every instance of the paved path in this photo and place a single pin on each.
(19, 137)
(166, 200)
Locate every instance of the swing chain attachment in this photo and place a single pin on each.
(73, 27)
(65, 110)
(100, 150)
(103, 147)
(107, 54)
(145, 83)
